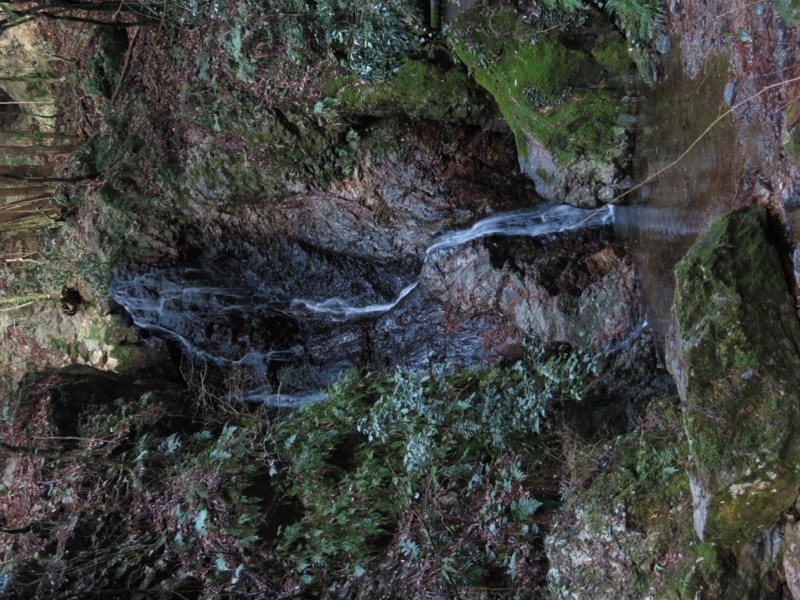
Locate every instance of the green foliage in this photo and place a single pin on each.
(641, 20)
(433, 463)
(140, 495)
(366, 38)
(344, 487)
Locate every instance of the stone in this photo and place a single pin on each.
(734, 351)
(791, 558)
(567, 103)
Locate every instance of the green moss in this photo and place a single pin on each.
(708, 569)
(614, 56)
(543, 88)
(418, 89)
(738, 336)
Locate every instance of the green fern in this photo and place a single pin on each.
(645, 18)
(524, 508)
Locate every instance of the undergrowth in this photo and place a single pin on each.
(439, 468)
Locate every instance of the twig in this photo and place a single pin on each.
(738, 9)
(10, 308)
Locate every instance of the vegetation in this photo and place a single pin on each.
(442, 481)
(440, 467)
(447, 469)
(544, 89)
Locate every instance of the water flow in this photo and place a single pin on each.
(339, 309)
(662, 220)
(261, 327)
(182, 306)
(541, 221)
(534, 222)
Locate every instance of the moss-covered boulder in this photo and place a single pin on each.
(560, 80)
(734, 350)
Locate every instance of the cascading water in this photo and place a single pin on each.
(293, 339)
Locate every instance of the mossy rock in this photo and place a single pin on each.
(561, 83)
(733, 350)
(420, 90)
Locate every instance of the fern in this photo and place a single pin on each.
(643, 17)
(524, 508)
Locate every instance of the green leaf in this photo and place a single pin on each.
(524, 508)
(200, 522)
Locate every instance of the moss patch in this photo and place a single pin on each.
(734, 353)
(629, 516)
(547, 85)
(420, 90)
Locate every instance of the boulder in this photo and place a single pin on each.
(734, 351)
(562, 82)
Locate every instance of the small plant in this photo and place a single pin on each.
(639, 19)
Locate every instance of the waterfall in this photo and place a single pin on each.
(220, 321)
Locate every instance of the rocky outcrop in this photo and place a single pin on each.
(734, 350)
(561, 80)
(582, 292)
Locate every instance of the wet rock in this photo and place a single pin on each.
(733, 350)
(412, 183)
(581, 292)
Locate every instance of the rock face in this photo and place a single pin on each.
(582, 293)
(734, 350)
(561, 82)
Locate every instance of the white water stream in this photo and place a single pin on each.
(257, 326)
(534, 222)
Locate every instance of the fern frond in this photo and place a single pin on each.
(524, 508)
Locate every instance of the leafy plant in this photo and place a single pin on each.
(433, 463)
(642, 19)
(366, 38)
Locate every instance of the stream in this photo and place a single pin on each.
(290, 319)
